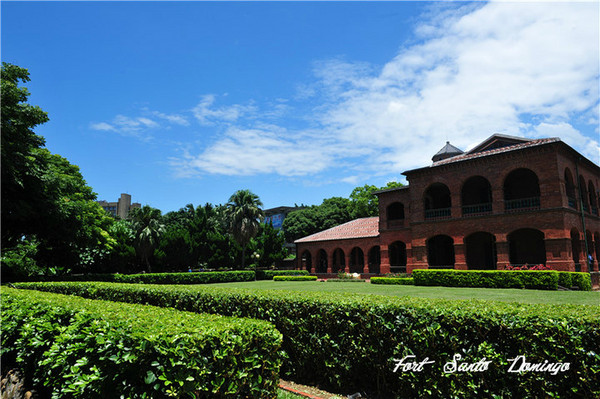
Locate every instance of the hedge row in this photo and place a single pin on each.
(348, 343)
(82, 348)
(580, 280)
(294, 278)
(393, 280)
(532, 279)
(269, 274)
(165, 278)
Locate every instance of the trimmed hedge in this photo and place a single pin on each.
(348, 343)
(166, 278)
(393, 280)
(345, 280)
(75, 347)
(541, 280)
(294, 278)
(269, 274)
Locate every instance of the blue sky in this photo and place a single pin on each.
(187, 102)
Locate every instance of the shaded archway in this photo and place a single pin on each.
(576, 248)
(357, 260)
(476, 196)
(521, 191)
(306, 260)
(395, 215)
(593, 198)
(374, 260)
(321, 261)
(597, 247)
(480, 250)
(570, 189)
(437, 201)
(584, 194)
(339, 261)
(397, 255)
(590, 247)
(526, 246)
(440, 251)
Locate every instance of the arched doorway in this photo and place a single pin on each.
(440, 252)
(357, 260)
(481, 251)
(339, 261)
(397, 255)
(395, 215)
(374, 260)
(437, 202)
(476, 196)
(521, 191)
(306, 260)
(322, 261)
(526, 246)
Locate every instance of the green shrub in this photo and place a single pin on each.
(294, 278)
(581, 280)
(393, 280)
(565, 279)
(348, 343)
(82, 348)
(541, 280)
(269, 274)
(345, 280)
(165, 278)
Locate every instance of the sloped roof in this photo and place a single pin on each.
(447, 151)
(357, 228)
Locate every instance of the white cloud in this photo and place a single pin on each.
(102, 126)
(206, 114)
(173, 118)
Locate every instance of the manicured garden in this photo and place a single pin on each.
(348, 342)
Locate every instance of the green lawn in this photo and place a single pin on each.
(491, 294)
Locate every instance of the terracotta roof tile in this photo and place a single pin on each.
(463, 157)
(358, 228)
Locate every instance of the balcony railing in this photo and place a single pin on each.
(572, 202)
(522, 204)
(437, 214)
(395, 224)
(476, 210)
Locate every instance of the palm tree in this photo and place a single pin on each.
(146, 223)
(243, 216)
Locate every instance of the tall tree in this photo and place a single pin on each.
(148, 227)
(243, 214)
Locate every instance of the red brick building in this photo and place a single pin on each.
(508, 201)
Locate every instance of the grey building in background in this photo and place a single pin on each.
(120, 208)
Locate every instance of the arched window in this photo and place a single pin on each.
(374, 260)
(440, 252)
(395, 215)
(437, 202)
(576, 248)
(521, 191)
(339, 261)
(397, 255)
(306, 260)
(526, 246)
(357, 260)
(584, 194)
(481, 251)
(593, 198)
(570, 189)
(476, 196)
(322, 261)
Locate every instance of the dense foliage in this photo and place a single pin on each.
(348, 342)
(294, 278)
(532, 279)
(72, 347)
(269, 274)
(393, 280)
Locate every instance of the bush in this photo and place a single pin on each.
(294, 278)
(75, 347)
(565, 279)
(581, 280)
(269, 274)
(164, 278)
(345, 280)
(392, 280)
(348, 342)
(542, 280)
